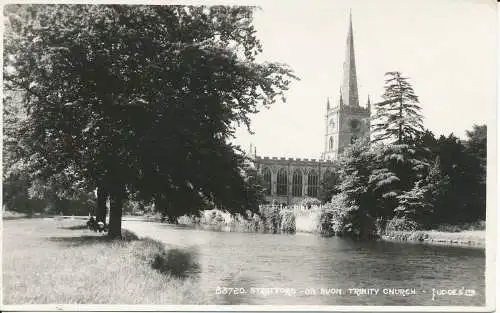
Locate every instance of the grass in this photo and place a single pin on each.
(462, 234)
(11, 215)
(479, 225)
(48, 261)
(466, 237)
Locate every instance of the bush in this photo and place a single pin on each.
(271, 216)
(402, 224)
(309, 202)
(186, 220)
(256, 224)
(326, 222)
(288, 221)
(134, 207)
(251, 223)
(343, 219)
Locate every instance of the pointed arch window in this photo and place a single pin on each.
(267, 180)
(327, 175)
(282, 182)
(331, 143)
(312, 184)
(297, 183)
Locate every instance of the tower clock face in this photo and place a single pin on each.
(355, 124)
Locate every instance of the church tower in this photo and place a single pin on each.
(347, 121)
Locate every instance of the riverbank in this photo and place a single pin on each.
(466, 238)
(306, 221)
(48, 261)
(298, 219)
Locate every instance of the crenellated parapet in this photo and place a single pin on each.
(283, 160)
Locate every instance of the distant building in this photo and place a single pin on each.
(288, 180)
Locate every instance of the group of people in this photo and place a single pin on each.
(96, 226)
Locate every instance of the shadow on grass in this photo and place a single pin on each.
(176, 262)
(98, 238)
(10, 218)
(75, 227)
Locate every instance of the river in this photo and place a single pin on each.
(306, 269)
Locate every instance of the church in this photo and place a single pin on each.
(288, 180)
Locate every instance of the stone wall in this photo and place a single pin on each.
(305, 166)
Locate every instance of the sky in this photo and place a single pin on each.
(447, 49)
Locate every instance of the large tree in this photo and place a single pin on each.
(140, 98)
(397, 119)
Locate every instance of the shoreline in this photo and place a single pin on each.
(466, 239)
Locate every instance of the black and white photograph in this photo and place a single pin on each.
(268, 155)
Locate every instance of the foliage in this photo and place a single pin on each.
(477, 144)
(414, 203)
(361, 193)
(140, 109)
(423, 181)
(287, 221)
(271, 217)
(137, 207)
(329, 185)
(309, 202)
(398, 118)
(401, 224)
(465, 196)
(334, 216)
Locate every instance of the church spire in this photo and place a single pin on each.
(350, 85)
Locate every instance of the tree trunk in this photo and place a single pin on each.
(117, 195)
(400, 134)
(102, 196)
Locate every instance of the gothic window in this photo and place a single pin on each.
(331, 143)
(327, 175)
(312, 184)
(297, 183)
(267, 180)
(282, 182)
